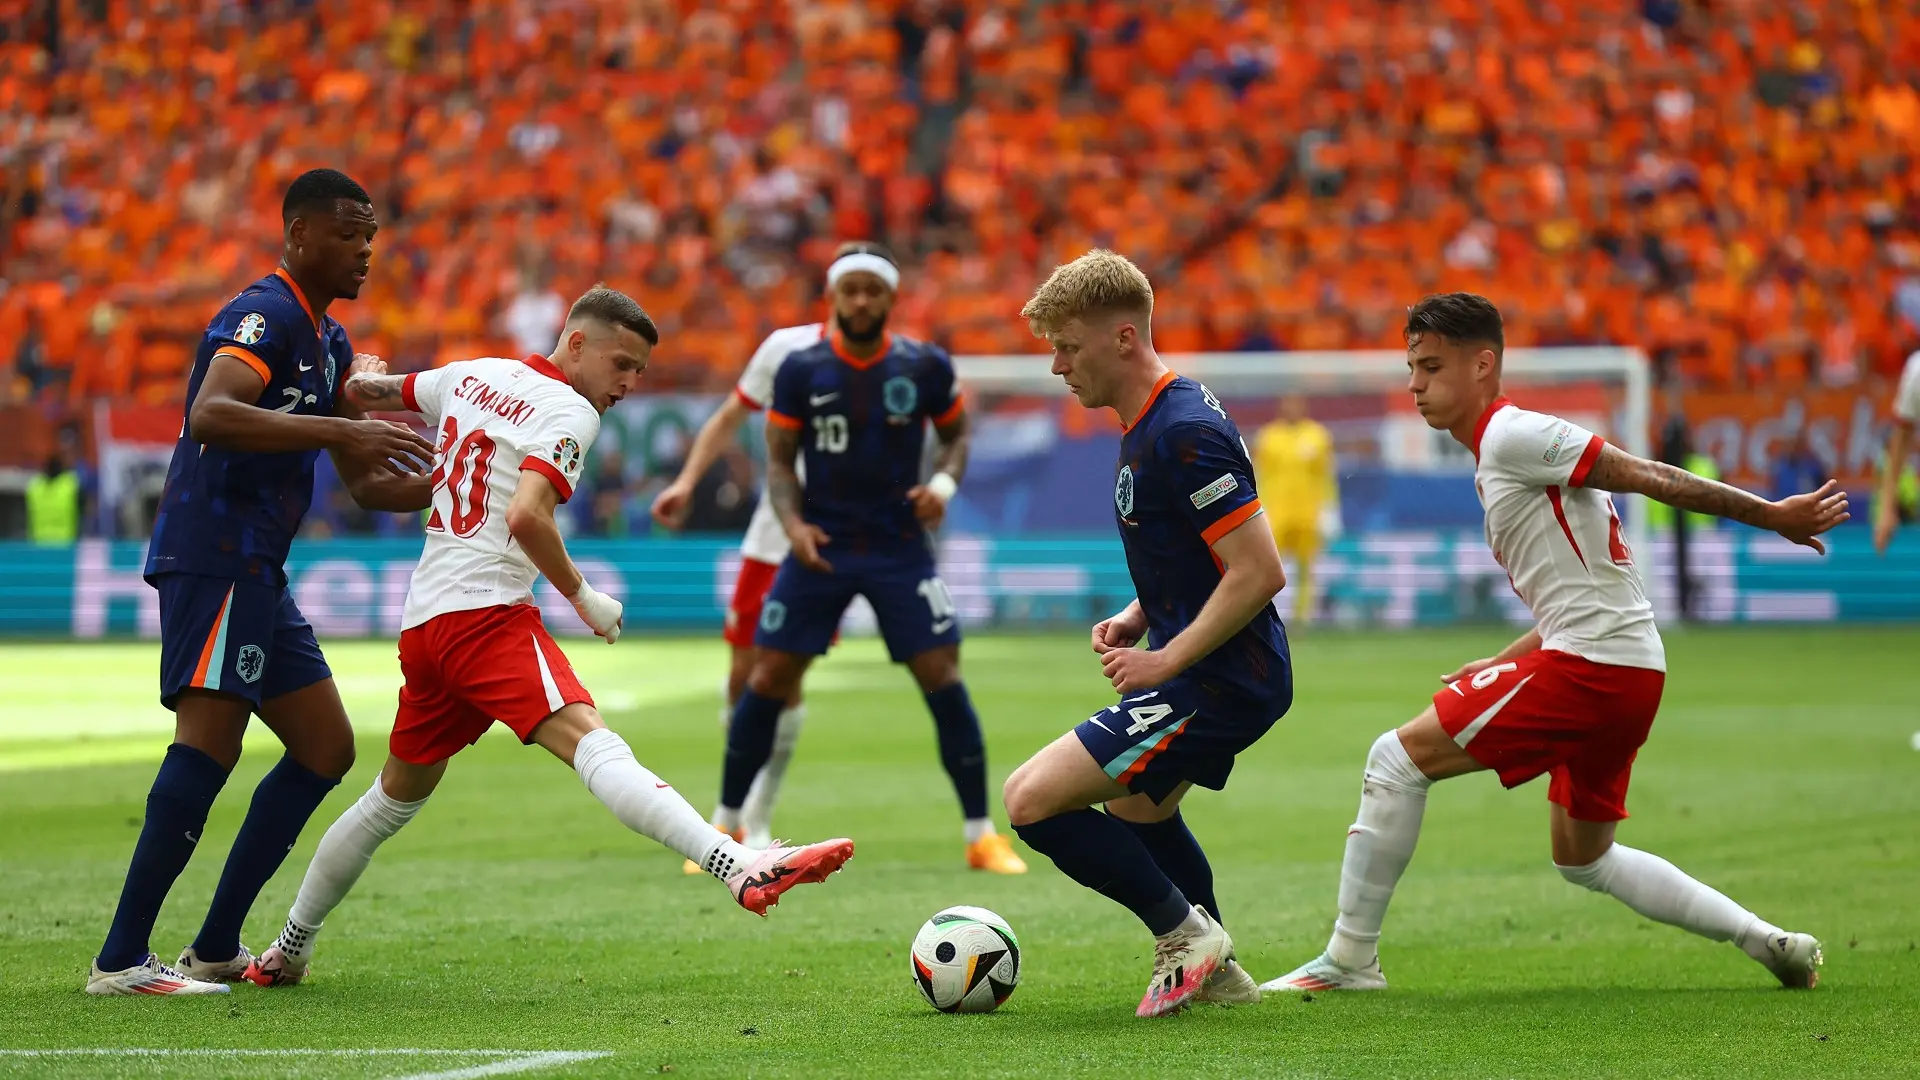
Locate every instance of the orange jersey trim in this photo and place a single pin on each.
(258, 365)
(1232, 521)
(953, 411)
(213, 639)
(840, 350)
(281, 273)
(1153, 395)
(776, 418)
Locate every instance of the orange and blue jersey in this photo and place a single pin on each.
(231, 513)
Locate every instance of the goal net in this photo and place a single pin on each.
(1034, 540)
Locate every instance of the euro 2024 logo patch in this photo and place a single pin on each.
(1123, 491)
(251, 329)
(566, 455)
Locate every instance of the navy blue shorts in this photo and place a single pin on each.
(1183, 731)
(802, 610)
(244, 638)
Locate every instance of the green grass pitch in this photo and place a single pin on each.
(516, 915)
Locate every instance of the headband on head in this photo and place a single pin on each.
(863, 262)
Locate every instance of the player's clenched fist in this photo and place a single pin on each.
(1120, 631)
(599, 611)
(1135, 669)
(671, 505)
(366, 364)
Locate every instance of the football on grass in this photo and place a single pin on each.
(966, 959)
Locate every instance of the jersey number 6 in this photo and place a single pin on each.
(463, 469)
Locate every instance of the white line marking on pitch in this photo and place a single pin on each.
(516, 1061)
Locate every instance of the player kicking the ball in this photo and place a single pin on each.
(1215, 673)
(855, 406)
(1575, 696)
(472, 647)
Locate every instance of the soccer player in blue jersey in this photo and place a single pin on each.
(261, 405)
(857, 405)
(1213, 673)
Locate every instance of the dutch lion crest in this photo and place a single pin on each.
(1123, 491)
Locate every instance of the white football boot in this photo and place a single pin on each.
(1183, 961)
(1795, 960)
(232, 970)
(149, 976)
(1231, 985)
(1321, 973)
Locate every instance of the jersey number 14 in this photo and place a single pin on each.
(463, 470)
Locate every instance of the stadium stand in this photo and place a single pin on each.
(1729, 185)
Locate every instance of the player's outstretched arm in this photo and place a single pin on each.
(949, 467)
(224, 414)
(1886, 500)
(671, 505)
(1799, 518)
(1252, 577)
(369, 387)
(530, 520)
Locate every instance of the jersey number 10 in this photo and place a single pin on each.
(830, 434)
(463, 469)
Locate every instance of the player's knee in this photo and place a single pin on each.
(1024, 797)
(1590, 875)
(1389, 763)
(333, 759)
(936, 669)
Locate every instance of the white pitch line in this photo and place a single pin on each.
(516, 1061)
(544, 1060)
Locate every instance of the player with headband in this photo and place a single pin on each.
(862, 283)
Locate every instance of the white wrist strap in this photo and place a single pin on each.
(943, 486)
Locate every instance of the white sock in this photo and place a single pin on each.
(1393, 798)
(978, 827)
(649, 807)
(1194, 923)
(756, 815)
(1664, 893)
(343, 854)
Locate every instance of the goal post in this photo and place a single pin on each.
(1378, 435)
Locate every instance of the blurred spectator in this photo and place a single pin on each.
(54, 499)
(534, 317)
(1799, 470)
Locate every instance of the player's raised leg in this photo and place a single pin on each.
(1050, 802)
(649, 806)
(963, 751)
(396, 796)
(301, 705)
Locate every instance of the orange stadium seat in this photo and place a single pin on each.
(1728, 186)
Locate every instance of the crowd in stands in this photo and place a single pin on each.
(1729, 184)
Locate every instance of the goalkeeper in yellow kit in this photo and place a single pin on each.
(1294, 472)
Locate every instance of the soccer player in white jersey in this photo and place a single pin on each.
(1574, 697)
(473, 650)
(1906, 412)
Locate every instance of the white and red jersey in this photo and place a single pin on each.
(766, 539)
(1906, 399)
(1561, 542)
(496, 418)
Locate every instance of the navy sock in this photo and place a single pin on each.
(285, 799)
(962, 749)
(1178, 854)
(183, 791)
(749, 745)
(1101, 853)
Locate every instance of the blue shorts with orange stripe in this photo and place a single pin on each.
(1183, 731)
(244, 638)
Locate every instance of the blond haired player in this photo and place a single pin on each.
(1294, 466)
(473, 649)
(1574, 697)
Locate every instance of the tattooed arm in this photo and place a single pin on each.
(930, 499)
(1799, 518)
(375, 393)
(784, 495)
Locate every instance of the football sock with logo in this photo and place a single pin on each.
(177, 804)
(757, 813)
(1664, 893)
(343, 854)
(962, 748)
(1380, 843)
(287, 796)
(756, 720)
(649, 806)
(1178, 854)
(1104, 855)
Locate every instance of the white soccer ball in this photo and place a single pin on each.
(966, 959)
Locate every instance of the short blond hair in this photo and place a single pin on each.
(1097, 283)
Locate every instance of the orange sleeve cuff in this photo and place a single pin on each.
(1585, 465)
(953, 411)
(776, 418)
(1225, 525)
(258, 365)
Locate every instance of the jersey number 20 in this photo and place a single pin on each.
(464, 465)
